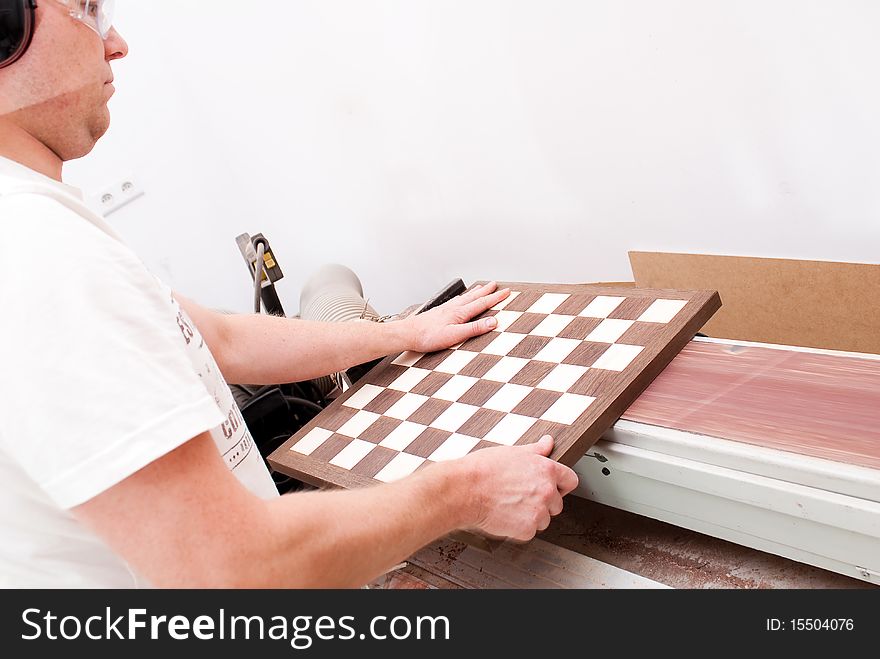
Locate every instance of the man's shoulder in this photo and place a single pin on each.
(50, 218)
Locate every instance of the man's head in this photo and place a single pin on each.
(57, 91)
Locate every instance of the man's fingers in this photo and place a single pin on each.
(483, 292)
(478, 306)
(543, 522)
(467, 331)
(476, 292)
(543, 446)
(566, 479)
(555, 506)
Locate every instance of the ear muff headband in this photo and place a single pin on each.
(16, 29)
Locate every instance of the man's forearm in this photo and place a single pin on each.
(345, 539)
(271, 350)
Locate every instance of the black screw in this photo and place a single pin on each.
(606, 471)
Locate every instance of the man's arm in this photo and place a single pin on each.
(186, 521)
(260, 349)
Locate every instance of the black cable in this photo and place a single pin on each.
(304, 403)
(258, 275)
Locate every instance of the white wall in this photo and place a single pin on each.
(421, 140)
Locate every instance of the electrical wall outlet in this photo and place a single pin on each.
(113, 197)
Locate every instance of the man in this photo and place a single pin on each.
(113, 407)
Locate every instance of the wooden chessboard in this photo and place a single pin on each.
(564, 360)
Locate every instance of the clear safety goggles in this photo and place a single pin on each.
(97, 14)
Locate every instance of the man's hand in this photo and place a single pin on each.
(516, 490)
(449, 323)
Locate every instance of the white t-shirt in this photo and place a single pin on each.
(101, 373)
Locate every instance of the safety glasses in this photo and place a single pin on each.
(97, 14)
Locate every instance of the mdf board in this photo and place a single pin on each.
(564, 360)
(819, 304)
(773, 447)
(818, 404)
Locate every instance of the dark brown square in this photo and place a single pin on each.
(481, 423)
(586, 354)
(523, 301)
(580, 328)
(337, 418)
(631, 308)
(374, 461)
(536, 403)
(431, 384)
(381, 403)
(482, 391)
(529, 347)
(429, 411)
(480, 365)
(432, 360)
(380, 429)
(428, 442)
(595, 382)
(642, 334)
(532, 373)
(574, 305)
(541, 428)
(477, 343)
(526, 323)
(388, 375)
(331, 447)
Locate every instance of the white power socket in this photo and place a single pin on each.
(113, 197)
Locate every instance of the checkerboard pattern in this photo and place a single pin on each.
(557, 360)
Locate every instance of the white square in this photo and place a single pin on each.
(358, 423)
(352, 454)
(557, 350)
(503, 343)
(508, 397)
(312, 440)
(568, 408)
(409, 378)
(506, 319)
(549, 302)
(562, 377)
(457, 387)
(406, 406)
(504, 370)
(552, 325)
(617, 357)
(363, 396)
(510, 429)
(408, 358)
(456, 361)
(456, 446)
(510, 298)
(662, 311)
(403, 435)
(601, 306)
(400, 467)
(454, 417)
(609, 330)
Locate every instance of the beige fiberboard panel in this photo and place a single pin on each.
(818, 304)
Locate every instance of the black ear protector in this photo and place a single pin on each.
(16, 29)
